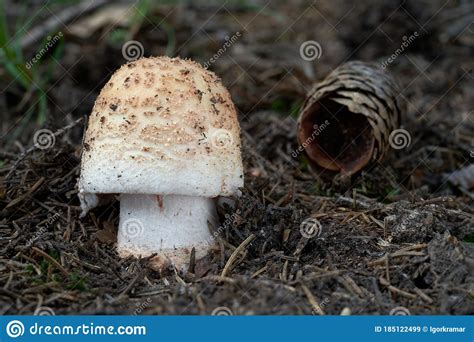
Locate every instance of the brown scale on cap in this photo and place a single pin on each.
(153, 92)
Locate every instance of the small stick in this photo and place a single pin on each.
(28, 193)
(314, 276)
(423, 296)
(192, 260)
(352, 285)
(392, 288)
(260, 271)
(407, 251)
(179, 279)
(312, 300)
(217, 278)
(234, 254)
(34, 147)
(129, 286)
(51, 260)
(284, 272)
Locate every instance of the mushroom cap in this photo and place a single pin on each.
(162, 126)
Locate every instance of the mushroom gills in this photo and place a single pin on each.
(169, 225)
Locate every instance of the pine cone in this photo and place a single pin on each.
(346, 120)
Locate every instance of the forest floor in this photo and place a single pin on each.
(397, 240)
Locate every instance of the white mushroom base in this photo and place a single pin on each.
(168, 226)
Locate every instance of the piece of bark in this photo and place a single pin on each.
(346, 120)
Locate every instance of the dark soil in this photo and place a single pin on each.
(395, 235)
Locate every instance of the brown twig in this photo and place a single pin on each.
(51, 260)
(234, 254)
(34, 147)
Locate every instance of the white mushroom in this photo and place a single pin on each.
(164, 135)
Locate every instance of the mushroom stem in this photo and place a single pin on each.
(170, 226)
